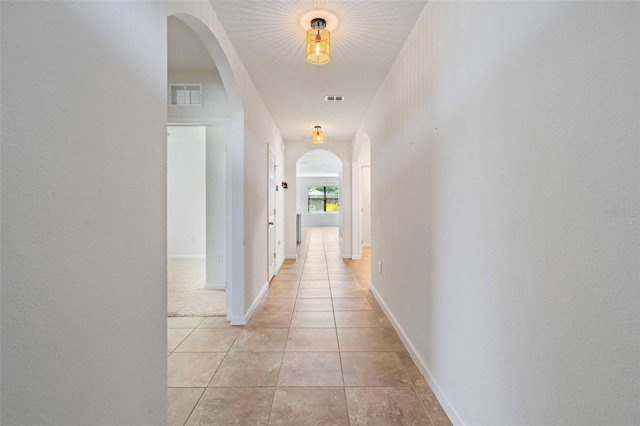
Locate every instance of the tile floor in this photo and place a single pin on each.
(318, 351)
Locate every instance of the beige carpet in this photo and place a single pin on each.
(187, 296)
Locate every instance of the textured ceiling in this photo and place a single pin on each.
(366, 38)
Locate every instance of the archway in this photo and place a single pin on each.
(319, 176)
(234, 191)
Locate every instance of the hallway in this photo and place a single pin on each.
(318, 350)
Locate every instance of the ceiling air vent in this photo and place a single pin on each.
(334, 98)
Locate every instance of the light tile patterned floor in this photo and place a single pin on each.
(318, 351)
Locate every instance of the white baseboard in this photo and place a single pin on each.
(256, 302)
(237, 320)
(187, 257)
(292, 257)
(356, 257)
(215, 286)
(366, 245)
(420, 362)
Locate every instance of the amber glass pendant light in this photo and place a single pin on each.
(318, 135)
(318, 42)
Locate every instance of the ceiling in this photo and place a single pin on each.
(366, 37)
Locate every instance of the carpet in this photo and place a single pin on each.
(186, 295)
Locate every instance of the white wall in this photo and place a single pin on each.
(216, 189)
(314, 219)
(83, 213)
(215, 106)
(84, 206)
(256, 218)
(186, 192)
(505, 191)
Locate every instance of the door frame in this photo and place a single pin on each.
(271, 218)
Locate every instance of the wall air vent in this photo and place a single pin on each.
(334, 98)
(185, 94)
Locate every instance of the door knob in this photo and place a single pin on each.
(270, 223)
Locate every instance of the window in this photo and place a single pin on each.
(323, 199)
(185, 95)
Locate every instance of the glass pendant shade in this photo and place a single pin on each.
(318, 42)
(318, 135)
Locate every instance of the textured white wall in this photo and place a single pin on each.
(84, 110)
(216, 221)
(186, 192)
(505, 192)
(257, 138)
(83, 213)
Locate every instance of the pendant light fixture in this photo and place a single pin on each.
(318, 135)
(318, 42)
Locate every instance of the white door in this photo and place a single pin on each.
(271, 215)
(365, 182)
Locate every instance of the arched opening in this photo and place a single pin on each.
(318, 191)
(203, 95)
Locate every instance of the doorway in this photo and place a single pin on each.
(365, 205)
(193, 234)
(318, 190)
(271, 215)
(198, 113)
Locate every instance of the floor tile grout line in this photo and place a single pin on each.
(196, 404)
(181, 341)
(424, 407)
(335, 329)
(287, 337)
(211, 379)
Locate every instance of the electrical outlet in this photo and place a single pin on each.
(219, 258)
(193, 239)
(380, 266)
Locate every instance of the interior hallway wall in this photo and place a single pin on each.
(84, 248)
(84, 113)
(216, 201)
(504, 146)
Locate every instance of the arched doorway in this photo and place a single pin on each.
(319, 176)
(231, 259)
